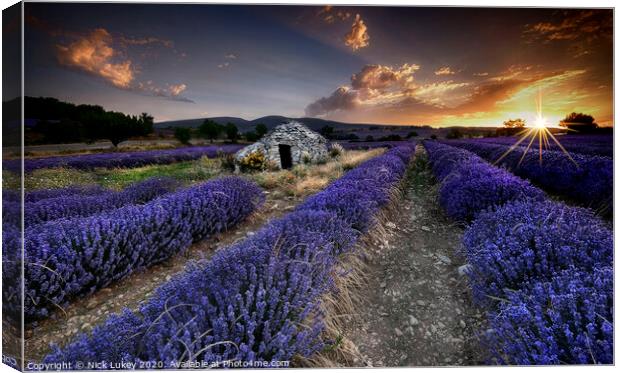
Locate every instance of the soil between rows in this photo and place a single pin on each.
(417, 308)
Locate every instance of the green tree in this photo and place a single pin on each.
(145, 123)
(579, 122)
(210, 129)
(454, 133)
(183, 134)
(251, 136)
(261, 130)
(412, 134)
(327, 131)
(232, 132)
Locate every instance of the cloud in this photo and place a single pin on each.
(230, 56)
(382, 77)
(445, 70)
(372, 85)
(391, 95)
(343, 98)
(572, 25)
(97, 53)
(329, 15)
(171, 92)
(94, 54)
(438, 93)
(176, 90)
(145, 41)
(481, 74)
(358, 37)
(223, 65)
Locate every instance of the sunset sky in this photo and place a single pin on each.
(436, 66)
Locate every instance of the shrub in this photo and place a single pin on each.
(84, 205)
(335, 150)
(476, 186)
(183, 135)
(566, 320)
(589, 182)
(306, 158)
(531, 241)
(73, 257)
(255, 300)
(121, 159)
(254, 161)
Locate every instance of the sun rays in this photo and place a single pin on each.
(539, 131)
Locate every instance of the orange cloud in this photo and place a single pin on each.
(176, 90)
(382, 94)
(358, 37)
(586, 25)
(94, 54)
(445, 70)
(328, 14)
(382, 77)
(374, 84)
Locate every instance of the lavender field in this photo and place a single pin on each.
(522, 242)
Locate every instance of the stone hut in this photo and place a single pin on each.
(289, 144)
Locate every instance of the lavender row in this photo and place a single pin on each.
(362, 145)
(37, 195)
(542, 268)
(122, 159)
(67, 258)
(259, 299)
(588, 180)
(470, 185)
(589, 145)
(78, 205)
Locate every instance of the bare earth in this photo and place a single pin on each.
(417, 309)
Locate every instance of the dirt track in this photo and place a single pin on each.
(417, 309)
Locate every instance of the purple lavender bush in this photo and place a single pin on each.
(357, 196)
(589, 181)
(258, 299)
(37, 195)
(542, 268)
(526, 241)
(122, 159)
(565, 320)
(470, 185)
(66, 258)
(76, 205)
(581, 144)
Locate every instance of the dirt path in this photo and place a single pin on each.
(83, 314)
(417, 309)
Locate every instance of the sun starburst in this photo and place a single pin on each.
(539, 131)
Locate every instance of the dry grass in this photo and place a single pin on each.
(304, 180)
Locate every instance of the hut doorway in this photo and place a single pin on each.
(286, 160)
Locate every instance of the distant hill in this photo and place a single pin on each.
(270, 121)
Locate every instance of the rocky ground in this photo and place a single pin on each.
(416, 309)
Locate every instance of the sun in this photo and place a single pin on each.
(540, 122)
(539, 131)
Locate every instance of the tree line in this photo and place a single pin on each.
(56, 122)
(211, 130)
